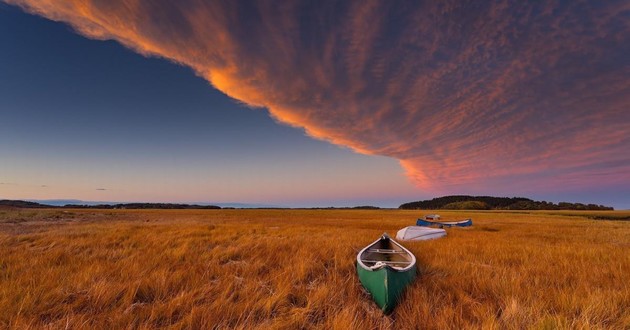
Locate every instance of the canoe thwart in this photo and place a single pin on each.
(389, 262)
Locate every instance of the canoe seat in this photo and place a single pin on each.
(386, 251)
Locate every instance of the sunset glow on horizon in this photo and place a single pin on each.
(493, 98)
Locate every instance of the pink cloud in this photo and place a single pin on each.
(467, 96)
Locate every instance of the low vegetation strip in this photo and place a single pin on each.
(130, 206)
(289, 269)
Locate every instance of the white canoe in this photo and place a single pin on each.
(417, 233)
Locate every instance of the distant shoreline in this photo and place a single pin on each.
(452, 203)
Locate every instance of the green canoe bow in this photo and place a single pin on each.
(385, 268)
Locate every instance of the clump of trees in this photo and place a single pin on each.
(22, 204)
(468, 205)
(465, 202)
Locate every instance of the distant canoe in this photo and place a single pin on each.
(385, 268)
(419, 233)
(444, 224)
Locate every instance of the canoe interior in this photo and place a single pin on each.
(387, 252)
(385, 269)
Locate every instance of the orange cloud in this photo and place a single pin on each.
(480, 96)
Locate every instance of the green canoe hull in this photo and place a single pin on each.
(386, 285)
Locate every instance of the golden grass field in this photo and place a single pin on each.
(295, 269)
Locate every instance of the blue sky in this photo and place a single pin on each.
(81, 115)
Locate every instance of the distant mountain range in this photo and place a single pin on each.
(465, 202)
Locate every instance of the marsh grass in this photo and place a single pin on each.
(292, 269)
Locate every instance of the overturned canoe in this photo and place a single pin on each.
(419, 233)
(444, 224)
(385, 268)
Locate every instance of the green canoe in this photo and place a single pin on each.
(385, 268)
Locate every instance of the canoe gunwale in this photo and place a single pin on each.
(439, 223)
(397, 269)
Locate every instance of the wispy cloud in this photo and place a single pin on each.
(479, 95)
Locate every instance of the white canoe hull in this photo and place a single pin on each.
(417, 233)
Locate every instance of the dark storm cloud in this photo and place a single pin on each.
(483, 95)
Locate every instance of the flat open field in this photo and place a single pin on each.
(290, 269)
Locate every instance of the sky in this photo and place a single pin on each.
(311, 103)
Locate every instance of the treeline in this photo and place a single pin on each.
(32, 205)
(22, 204)
(136, 206)
(464, 202)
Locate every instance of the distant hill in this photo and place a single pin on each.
(465, 202)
